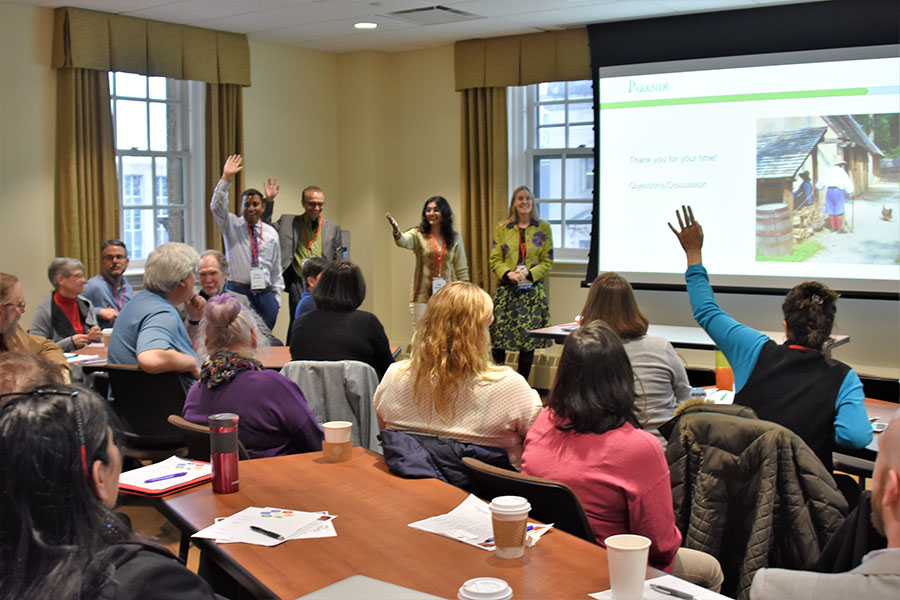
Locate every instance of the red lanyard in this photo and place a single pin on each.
(521, 245)
(799, 347)
(439, 252)
(313, 240)
(254, 245)
(119, 303)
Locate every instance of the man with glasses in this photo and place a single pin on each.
(109, 291)
(13, 337)
(303, 236)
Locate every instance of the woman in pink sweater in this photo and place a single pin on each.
(589, 438)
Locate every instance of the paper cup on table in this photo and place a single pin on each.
(485, 588)
(106, 334)
(626, 555)
(337, 445)
(509, 517)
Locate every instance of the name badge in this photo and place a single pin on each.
(437, 283)
(257, 278)
(525, 283)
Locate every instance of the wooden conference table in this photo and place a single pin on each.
(693, 338)
(373, 539)
(277, 358)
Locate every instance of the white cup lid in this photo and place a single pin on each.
(510, 504)
(485, 588)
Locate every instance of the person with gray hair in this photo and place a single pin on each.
(275, 418)
(149, 331)
(66, 316)
(212, 274)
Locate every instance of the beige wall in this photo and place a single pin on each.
(377, 132)
(27, 137)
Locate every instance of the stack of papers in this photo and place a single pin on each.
(269, 526)
(470, 523)
(73, 358)
(169, 476)
(671, 582)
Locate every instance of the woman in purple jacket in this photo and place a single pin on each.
(274, 416)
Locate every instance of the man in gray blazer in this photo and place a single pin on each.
(301, 237)
(878, 577)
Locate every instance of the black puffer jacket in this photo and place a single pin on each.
(749, 492)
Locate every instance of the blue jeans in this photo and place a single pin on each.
(262, 301)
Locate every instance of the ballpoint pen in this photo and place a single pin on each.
(271, 534)
(671, 591)
(164, 477)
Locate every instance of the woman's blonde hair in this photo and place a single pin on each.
(451, 346)
(513, 215)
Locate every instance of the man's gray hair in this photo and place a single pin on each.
(168, 265)
(220, 258)
(62, 265)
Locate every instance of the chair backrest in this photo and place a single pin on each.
(197, 439)
(340, 390)
(143, 402)
(551, 501)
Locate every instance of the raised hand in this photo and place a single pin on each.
(271, 188)
(689, 234)
(393, 222)
(232, 166)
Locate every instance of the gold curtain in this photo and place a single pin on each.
(523, 59)
(224, 136)
(483, 176)
(87, 195)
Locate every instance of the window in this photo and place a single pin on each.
(158, 130)
(552, 149)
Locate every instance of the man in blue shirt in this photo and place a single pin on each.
(109, 291)
(149, 331)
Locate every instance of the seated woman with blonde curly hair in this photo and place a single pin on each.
(450, 387)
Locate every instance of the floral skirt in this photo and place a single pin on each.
(516, 312)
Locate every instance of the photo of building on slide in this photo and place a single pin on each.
(828, 189)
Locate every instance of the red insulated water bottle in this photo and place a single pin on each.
(223, 452)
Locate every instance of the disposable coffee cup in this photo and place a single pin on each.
(106, 334)
(509, 517)
(626, 556)
(485, 588)
(337, 446)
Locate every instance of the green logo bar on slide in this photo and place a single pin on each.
(736, 98)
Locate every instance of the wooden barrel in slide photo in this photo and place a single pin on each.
(774, 236)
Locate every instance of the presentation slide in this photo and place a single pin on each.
(783, 164)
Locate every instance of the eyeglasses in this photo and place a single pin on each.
(112, 258)
(19, 305)
(76, 408)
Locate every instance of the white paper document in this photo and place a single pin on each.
(669, 581)
(717, 396)
(261, 526)
(165, 474)
(73, 358)
(470, 523)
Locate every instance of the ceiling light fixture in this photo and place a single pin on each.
(365, 25)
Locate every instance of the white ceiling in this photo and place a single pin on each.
(327, 25)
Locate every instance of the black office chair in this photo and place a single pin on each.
(551, 501)
(143, 402)
(197, 439)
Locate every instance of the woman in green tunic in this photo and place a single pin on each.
(521, 257)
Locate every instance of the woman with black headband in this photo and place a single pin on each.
(59, 472)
